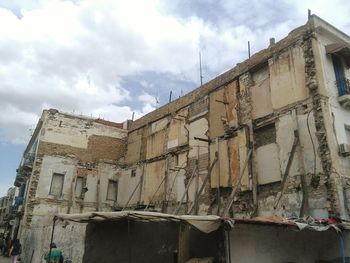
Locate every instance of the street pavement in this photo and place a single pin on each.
(4, 259)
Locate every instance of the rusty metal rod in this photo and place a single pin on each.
(232, 196)
(288, 166)
(133, 192)
(203, 184)
(150, 202)
(52, 233)
(176, 211)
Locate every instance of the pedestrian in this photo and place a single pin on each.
(15, 250)
(7, 246)
(55, 256)
(2, 243)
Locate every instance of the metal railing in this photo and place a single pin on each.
(343, 86)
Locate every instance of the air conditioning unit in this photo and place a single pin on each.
(344, 149)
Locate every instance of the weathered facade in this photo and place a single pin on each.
(69, 166)
(269, 136)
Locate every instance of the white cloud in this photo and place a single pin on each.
(73, 56)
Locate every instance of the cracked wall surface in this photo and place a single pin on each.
(257, 105)
(267, 130)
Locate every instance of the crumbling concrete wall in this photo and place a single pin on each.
(70, 239)
(71, 147)
(260, 105)
(337, 115)
(258, 108)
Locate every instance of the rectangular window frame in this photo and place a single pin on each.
(83, 184)
(61, 190)
(115, 182)
(342, 83)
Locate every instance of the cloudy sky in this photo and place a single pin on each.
(109, 58)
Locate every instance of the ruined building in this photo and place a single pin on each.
(69, 166)
(268, 137)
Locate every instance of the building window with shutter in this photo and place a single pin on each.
(56, 187)
(342, 83)
(112, 190)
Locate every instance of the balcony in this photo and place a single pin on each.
(343, 86)
(25, 169)
(28, 162)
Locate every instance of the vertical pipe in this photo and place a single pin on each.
(52, 232)
(200, 68)
(171, 93)
(141, 183)
(197, 186)
(218, 166)
(166, 179)
(98, 195)
(248, 49)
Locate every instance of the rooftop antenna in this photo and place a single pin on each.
(200, 68)
(157, 98)
(171, 93)
(248, 49)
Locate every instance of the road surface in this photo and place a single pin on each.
(4, 259)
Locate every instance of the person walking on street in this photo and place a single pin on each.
(2, 243)
(15, 250)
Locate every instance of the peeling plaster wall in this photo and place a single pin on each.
(287, 78)
(126, 185)
(74, 131)
(154, 174)
(261, 93)
(274, 93)
(70, 240)
(177, 135)
(72, 147)
(217, 113)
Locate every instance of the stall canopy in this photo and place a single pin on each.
(205, 224)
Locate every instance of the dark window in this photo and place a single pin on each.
(57, 185)
(112, 190)
(133, 172)
(265, 135)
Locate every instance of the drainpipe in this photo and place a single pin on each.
(141, 183)
(166, 179)
(52, 232)
(98, 195)
(218, 165)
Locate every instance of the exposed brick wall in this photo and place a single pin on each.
(99, 148)
(323, 150)
(110, 123)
